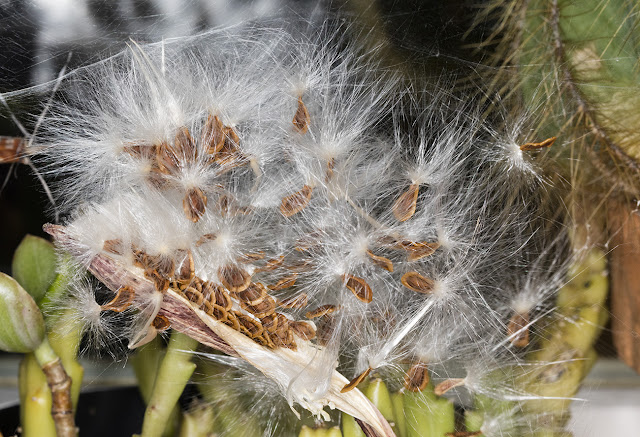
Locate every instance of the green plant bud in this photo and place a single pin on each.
(34, 265)
(22, 327)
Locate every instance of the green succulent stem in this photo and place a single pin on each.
(173, 374)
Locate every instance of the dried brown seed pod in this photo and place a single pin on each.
(417, 378)
(234, 278)
(122, 300)
(416, 282)
(355, 381)
(299, 301)
(536, 146)
(321, 311)
(447, 385)
(303, 330)
(358, 287)
(283, 283)
(301, 119)
(194, 204)
(518, 329)
(296, 202)
(405, 206)
(381, 261)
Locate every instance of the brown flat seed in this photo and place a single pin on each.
(299, 301)
(249, 326)
(285, 282)
(161, 282)
(205, 238)
(416, 282)
(447, 385)
(417, 378)
(194, 204)
(213, 134)
(12, 150)
(234, 278)
(161, 323)
(301, 119)
(194, 296)
(536, 146)
(303, 330)
(420, 250)
(185, 271)
(270, 322)
(355, 381)
(296, 202)
(381, 261)
(253, 256)
(230, 155)
(114, 246)
(358, 287)
(518, 329)
(185, 145)
(263, 309)
(122, 300)
(321, 311)
(405, 206)
(271, 264)
(253, 294)
(167, 160)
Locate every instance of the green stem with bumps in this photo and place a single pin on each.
(174, 373)
(428, 415)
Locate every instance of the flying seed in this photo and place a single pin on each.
(113, 246)
(284, 283)
(321, 311)
(213, 134)
(417, 249)
(194, 204)
(185, 144)
(205, 239)
(234, 278)
(381, 261)
(122, 300)
(252, 256)
(355, 381)
(296, 202)
(417, 378)
(416, 282)
(299, 301)
(358, 287)
(161, 323)
(518, 329)
(537, 146)
(301, 120)
(331, 164)
(271, 264)
(447, 385)
(167, 160)
(405, 206)
(230, 155)
(303, 330)
(326, 328)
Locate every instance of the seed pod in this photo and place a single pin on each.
(355, 381)
(22, 327)
(416, 282)
(405, 206)
(381, 261)
(194, 204)
(358, 287)
(301, 119)
(417, 378)
(123, 300)
(234, 278)
(296, 202)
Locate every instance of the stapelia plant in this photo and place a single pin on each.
(279, 198)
